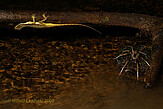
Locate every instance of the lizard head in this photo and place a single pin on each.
(22, 25)
(19, 26)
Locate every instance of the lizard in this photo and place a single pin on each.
(42, 24)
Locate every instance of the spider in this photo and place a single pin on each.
(134, 56)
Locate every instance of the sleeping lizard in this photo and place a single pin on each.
(42, 24)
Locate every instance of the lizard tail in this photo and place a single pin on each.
(90, 28)
(79, 25)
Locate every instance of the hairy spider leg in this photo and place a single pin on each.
(145, 61)
(133, 52)
(143, 54)
(123, 67)
(137, 71)
(141, 48)
(126, 51)
(132, 49)
(140, 52)
(121, 55)
(136, 57)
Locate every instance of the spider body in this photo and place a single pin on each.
(135, 57)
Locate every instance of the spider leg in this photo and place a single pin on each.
(140, 52)
(123, 67)
(121, 55)
(137, 71)
(132, 49)
(145, 61)
(143, 54)
(126, 51)
(142, 48)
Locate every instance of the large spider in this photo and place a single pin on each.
(134, 56)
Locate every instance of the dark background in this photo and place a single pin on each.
(149, 7)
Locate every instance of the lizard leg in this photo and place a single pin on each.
(45, 18)
(33, 17)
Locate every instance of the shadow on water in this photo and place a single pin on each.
(68, 33)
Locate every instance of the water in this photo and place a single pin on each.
(103, 91)
(82, 74)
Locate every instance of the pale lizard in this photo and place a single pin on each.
(42, 24)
